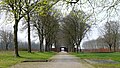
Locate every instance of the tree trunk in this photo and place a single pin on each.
(77, 49)
(6, 46)
(42, 38)
(80, 49)
(41, 43)
(50, 47)
(48, 42)
(78, 44)
(29, 39)
(114, 48)
(46, 45)
(110, 47)
(15, 38)
(115, 45)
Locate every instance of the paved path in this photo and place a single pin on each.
(62, 60)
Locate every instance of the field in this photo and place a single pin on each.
(7, 57)
(101, 56)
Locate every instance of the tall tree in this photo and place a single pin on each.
(43, 19)
(30, 7)
(111, 34)
(6, 37)
(47, 27)
(51, 28)
(15, 7)
(77, 26)
(38, 24)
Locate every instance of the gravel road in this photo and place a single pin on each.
(61, 60)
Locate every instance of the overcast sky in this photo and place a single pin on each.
(98, 17)
(65, 9)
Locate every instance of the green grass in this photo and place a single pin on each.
(113, 56)
(107, 65)
(7, 57)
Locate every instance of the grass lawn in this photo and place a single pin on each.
(113, 56)
(7, 57)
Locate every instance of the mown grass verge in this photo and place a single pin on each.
(107, 56)
(7, 58)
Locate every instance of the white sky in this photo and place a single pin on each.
(65, 9)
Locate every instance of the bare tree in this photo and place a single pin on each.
(30, 7)
(76, 26)
(51, 28)
(6, 38)
(15, 7)
(47, 27)
(111, 34)
(44, 21)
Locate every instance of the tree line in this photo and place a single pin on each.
(109, 39)
(46, 20)
(36, 12)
